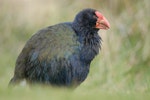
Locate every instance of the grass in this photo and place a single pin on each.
(121, 71)
(40, 93)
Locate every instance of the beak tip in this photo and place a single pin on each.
(107, 23)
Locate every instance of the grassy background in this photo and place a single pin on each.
(121, 71)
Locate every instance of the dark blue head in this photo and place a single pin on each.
(90, 19)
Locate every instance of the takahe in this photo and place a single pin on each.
(60, 55)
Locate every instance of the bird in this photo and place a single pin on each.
(61, 54)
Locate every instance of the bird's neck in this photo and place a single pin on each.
(90, 41)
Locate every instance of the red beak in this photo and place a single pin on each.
(102, 22)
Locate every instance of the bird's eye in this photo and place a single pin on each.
(94, 16)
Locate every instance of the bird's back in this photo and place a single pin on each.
(58, 40)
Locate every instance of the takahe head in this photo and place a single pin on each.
(91, 19)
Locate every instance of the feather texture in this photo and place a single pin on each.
(60, 54)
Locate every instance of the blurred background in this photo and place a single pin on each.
(124, 61)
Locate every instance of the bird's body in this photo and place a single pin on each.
(58, 55)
